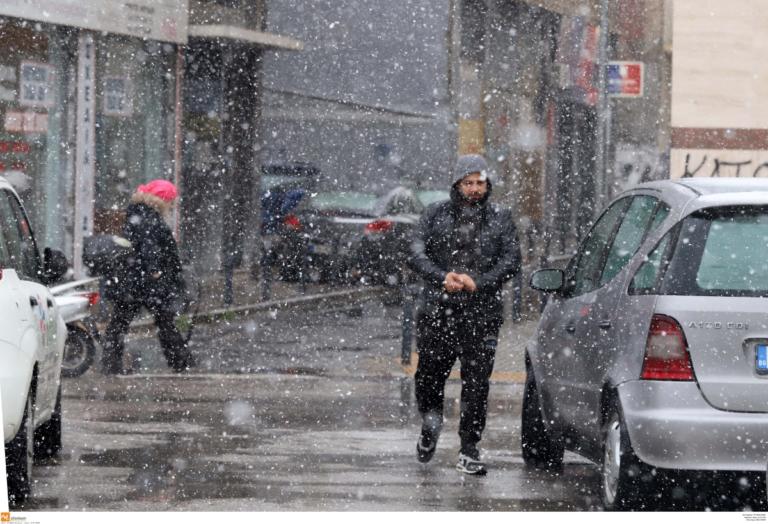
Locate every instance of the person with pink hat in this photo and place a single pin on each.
(153, 279)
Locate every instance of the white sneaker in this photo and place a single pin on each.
(470, 465)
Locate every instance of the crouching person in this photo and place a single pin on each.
(152, 278)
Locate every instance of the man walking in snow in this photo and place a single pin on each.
(465, 249)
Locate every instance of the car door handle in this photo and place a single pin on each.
(570, 328)
(33, 301)
(604, 324)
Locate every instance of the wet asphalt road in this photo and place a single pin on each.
(307, 410)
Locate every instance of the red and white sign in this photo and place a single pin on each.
(625, 79)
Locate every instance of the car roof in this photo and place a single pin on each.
(709, 186)
(690, 194)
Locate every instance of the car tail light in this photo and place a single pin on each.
(292, 222)
(666, 351)
(378, 226)
(92, 296)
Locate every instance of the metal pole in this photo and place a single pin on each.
(408, 303)
(453, 41)
(601, 182)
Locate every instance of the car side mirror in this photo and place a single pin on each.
(548, 280)
(55, 266)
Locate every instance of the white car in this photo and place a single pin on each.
(32, 335)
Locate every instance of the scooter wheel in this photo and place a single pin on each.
(79, 352)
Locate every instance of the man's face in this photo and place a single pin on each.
(474, 186)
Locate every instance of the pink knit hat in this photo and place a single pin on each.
(162, 189)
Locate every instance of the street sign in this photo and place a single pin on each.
(625, 79)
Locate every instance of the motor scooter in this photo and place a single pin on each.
(76, 300)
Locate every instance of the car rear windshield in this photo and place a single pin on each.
(344, 200)
(721, 252)
(430, 196)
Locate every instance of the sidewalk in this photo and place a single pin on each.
(509, 365)
(247, 297)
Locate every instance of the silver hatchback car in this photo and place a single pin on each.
(652, 351)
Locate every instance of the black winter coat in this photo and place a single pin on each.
(155, 252)
(499, 259)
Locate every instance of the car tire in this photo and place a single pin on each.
(19, 457)
(48, 435)
(79, 353)
(626, 481)
(541, 449)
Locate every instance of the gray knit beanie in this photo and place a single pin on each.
(467, 164)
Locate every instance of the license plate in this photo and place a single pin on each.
(761, 359)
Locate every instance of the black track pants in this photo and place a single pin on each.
(441, 340)
(174, 349)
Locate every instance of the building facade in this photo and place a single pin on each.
(222, 136)
(719, 93)
(532, 98)
(98, 97)
(89, 108)
(367, 102)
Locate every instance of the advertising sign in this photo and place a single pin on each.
(625, 79)
(164, 20)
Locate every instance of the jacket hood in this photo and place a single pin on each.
(465, 165)
(155, 202)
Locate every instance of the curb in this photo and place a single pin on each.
(319, 299)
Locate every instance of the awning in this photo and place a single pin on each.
(230, 32)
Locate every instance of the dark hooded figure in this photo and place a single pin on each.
(465, 249)
(152, 279)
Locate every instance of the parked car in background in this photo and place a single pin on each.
(338, 235)
(32, 335)
(651, 356)
(430, 196)
(381, 254)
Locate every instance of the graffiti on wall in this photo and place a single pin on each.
(687, 163)
(633, 165)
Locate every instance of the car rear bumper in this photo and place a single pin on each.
(671, 426)
(15, 377)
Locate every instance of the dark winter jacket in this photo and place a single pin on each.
(495, 258)
(155, 253)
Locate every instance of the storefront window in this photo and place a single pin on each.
(33, 98)
(132, 145)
